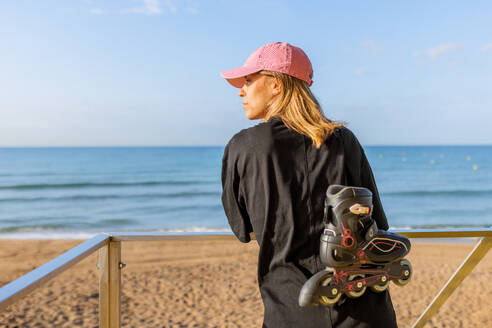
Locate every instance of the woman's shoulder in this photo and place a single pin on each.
(346, 135)
(351, 146)
(343, 132)
(254, 137)
(265, 133)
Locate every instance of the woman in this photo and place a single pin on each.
(274, 178)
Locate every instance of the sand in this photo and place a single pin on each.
(214, 284)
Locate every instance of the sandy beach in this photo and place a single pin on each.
(214, 284)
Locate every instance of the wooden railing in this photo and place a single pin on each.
(110, 265)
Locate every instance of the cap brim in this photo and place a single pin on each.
(236, 76)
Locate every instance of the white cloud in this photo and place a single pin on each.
(192, 7)
(373, 46)
(170, 5)
(96, 11)
(443, 49)
(156, 7)
(486, 47)
(149, 7)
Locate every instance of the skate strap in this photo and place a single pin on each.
(330, 238)
(327, 214)
(365, 223)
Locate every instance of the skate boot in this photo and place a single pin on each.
(357, 255)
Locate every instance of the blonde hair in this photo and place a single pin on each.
(299, 109)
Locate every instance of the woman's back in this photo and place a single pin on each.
(274, 184)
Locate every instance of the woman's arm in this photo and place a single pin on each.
(233, 200)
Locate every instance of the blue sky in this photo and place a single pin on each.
(134, 72)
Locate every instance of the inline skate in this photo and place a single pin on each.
(357, 255)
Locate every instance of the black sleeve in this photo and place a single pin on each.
(232, 196)
(362, 176)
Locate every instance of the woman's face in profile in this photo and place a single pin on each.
(257, 92)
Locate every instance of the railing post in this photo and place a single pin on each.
(475, 256)
(109, 285)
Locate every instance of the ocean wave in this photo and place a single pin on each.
(115, 221)
(47, 235)
(458, 192)
(115, 196)
(68, 225)
(33, 228)
(103, 184)
(178, 212)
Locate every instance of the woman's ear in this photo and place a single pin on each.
(276, 86)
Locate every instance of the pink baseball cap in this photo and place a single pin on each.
(277, 57)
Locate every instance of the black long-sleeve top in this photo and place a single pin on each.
(274, 184)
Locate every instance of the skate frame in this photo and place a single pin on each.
(110, 265)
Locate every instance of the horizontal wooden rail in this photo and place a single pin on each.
(110, 265)
(39, 276)
(445, 233)
(156, 236)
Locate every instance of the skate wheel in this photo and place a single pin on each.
(406, 266)
(328, 300)
(359, 290)
(380, 287)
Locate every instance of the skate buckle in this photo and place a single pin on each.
(329, 231)
(359, 209)
(347, 239)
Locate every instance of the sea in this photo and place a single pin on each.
(79, 192)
